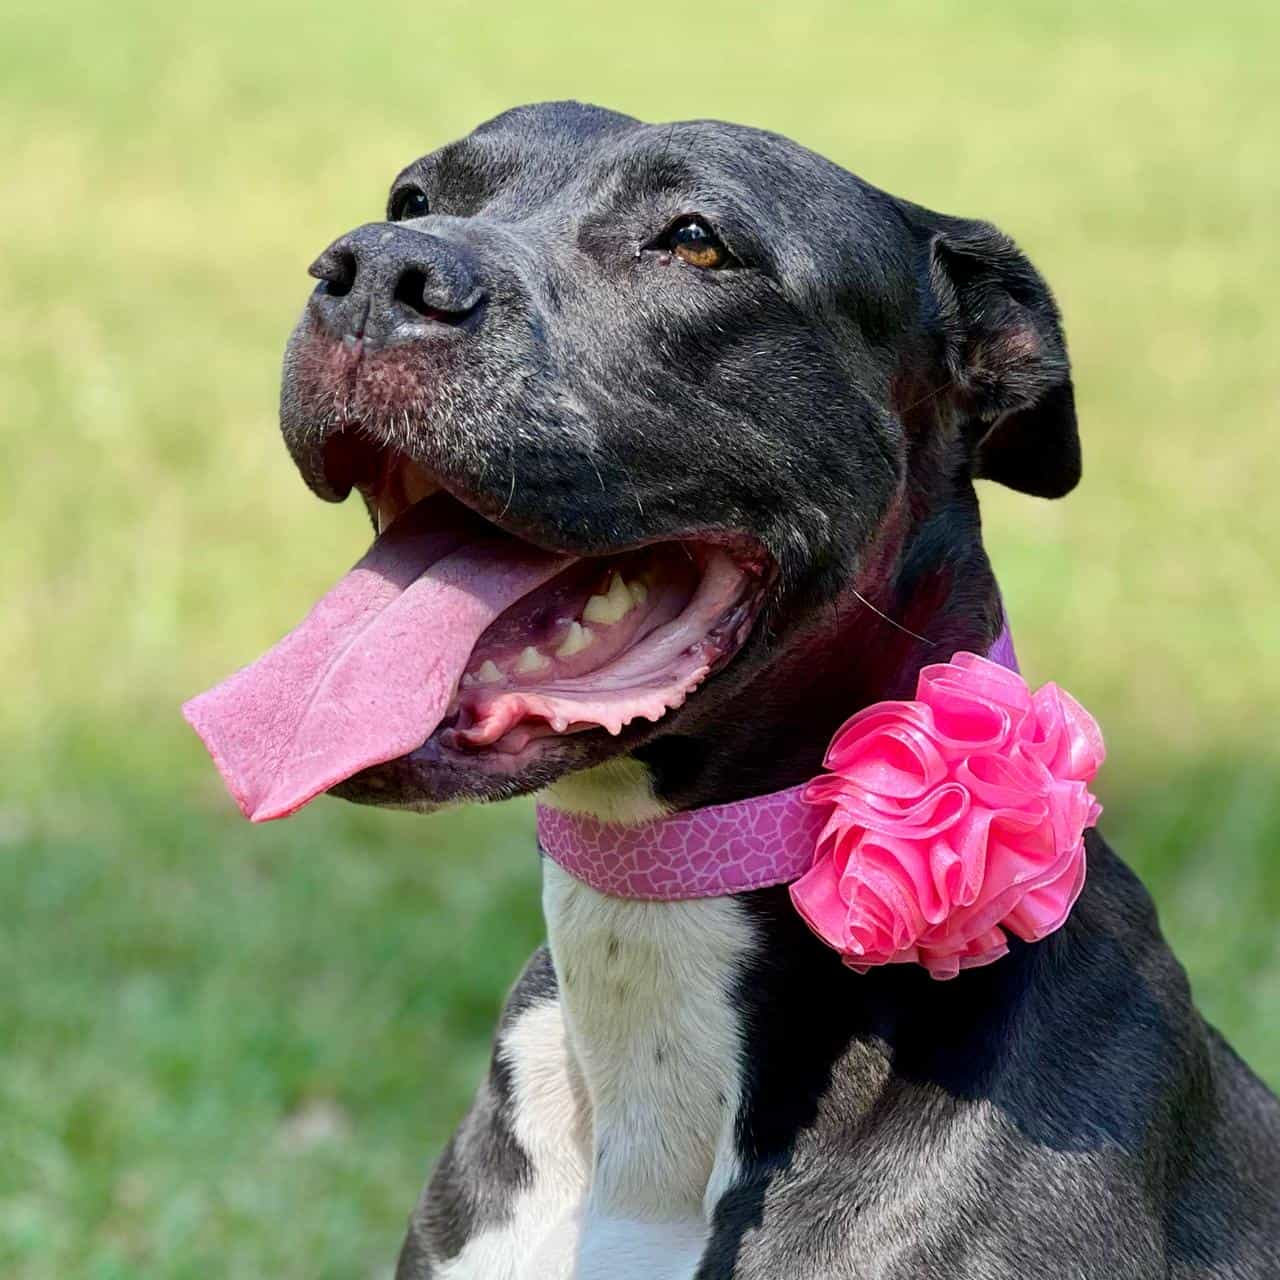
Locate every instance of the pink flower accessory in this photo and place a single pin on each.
(943, 824)
(952, 820)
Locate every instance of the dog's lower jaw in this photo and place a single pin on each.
(646, 993)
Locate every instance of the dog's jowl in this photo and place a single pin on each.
(669, 436)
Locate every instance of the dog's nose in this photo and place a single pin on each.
(389, 284)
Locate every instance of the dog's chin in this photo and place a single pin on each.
(436, 777)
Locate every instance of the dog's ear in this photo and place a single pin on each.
(1005, 358)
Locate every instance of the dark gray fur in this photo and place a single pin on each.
(829, 402)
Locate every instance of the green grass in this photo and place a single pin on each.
(231, 1051)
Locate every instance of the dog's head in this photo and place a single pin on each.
(726, 381)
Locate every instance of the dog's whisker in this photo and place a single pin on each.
(915, 635)
(511, 493)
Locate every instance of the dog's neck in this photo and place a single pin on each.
(657, 1012)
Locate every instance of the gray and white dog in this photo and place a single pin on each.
(655, 350)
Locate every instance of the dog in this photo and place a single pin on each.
(698, 367)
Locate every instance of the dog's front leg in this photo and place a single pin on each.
(505, 1199)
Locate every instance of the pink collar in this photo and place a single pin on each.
(943, 821)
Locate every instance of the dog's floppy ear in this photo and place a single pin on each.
(1006, 358)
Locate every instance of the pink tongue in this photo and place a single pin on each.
(370, 672)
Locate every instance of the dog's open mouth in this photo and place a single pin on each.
(453, 631)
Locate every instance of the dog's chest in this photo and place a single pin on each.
(647, 993)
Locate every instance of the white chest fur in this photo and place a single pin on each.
(646, 991)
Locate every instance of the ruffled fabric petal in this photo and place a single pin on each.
(953, 820)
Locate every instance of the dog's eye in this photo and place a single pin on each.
(408, 202)
(692, 240)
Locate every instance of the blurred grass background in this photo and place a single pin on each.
(232, 1052)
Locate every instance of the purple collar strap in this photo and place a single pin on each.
(940, 824)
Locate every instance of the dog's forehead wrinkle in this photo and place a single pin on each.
(635, 175)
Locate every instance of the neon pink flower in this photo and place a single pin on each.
(953, 818)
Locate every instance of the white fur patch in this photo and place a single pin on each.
(618, 1250)
(647, 992)
(616, 791)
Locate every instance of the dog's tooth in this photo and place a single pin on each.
(639, 592)
(488, 673)
(531, 660)
(620, 594)
(577, 639)
(612, 607)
